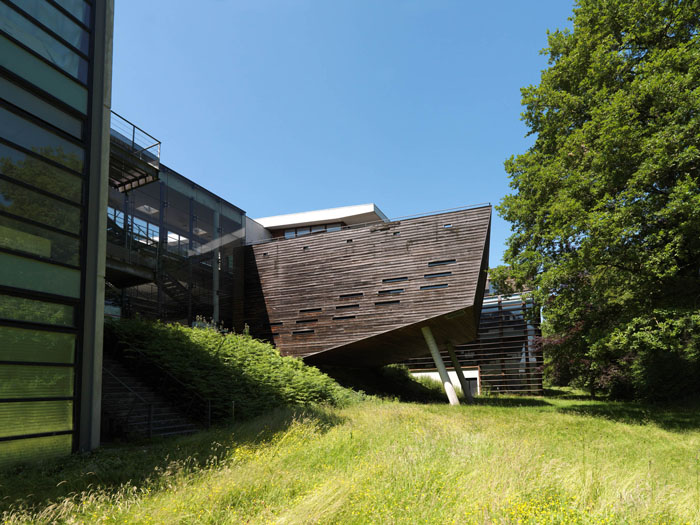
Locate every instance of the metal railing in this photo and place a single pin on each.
(138, 142)
(135, 397)
(190, 402)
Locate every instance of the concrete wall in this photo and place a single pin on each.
(255, 232)
(471, 375)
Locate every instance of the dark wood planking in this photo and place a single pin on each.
(314, 271)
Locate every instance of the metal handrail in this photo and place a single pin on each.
(135, 126)
(136, 395)
(166, 374)
(123, 127)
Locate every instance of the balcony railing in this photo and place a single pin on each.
(134, 155)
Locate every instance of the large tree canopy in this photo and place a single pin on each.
(606, 204)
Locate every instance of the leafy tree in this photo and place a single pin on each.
(606, 206)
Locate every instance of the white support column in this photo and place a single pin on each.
(460, 374)
(444, 377)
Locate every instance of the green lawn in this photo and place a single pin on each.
(556, 459)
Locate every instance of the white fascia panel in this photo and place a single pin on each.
(349, 215)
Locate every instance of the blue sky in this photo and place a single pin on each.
(292, 105)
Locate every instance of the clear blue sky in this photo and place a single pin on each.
(293, 105)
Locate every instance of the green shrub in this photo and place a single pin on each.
(656, 356)
(228, 367)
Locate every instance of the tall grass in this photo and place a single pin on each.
(517, 460)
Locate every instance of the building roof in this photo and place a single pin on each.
(350, 215)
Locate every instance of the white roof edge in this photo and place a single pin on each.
(356, 214)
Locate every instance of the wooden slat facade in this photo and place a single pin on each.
(505, 352)
(360, 295)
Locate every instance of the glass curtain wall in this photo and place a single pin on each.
(190, 241)
(45, 69)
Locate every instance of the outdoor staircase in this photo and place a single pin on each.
(179, 294)
(115, 233)
(174, 288)
(133, 408)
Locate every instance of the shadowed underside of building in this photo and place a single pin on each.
(360, 296)
(506, 353)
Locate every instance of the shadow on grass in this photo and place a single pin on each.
(676, 418)
(510, 401)
(565, 393)
(142, 464)
(393, 381)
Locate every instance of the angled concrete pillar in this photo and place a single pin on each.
(460, 374)
(444, 377)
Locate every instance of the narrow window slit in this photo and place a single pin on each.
(440, 263)
(347, 306)
(395, 280)
(300, 332)
(301, 321)
(350, 295)
(386, 303)
(388, 292)
(308, 310)
(434, 275)
(433, 286)
(341, 317)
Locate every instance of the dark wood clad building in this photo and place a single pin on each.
(361, 295)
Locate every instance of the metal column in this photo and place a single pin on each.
(216, 267)
(90, 384)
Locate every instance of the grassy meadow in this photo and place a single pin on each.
(555, 459)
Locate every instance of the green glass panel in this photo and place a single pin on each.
(35, 449)
(39, 41)
(56, 22)
(14, 94)
(39, 140)
(78, 8)
(29, 204)
(17, 240)
(29, 274)
(32, 239)
(21, 344)
(31, 68)
(23, 309)
(20, 166)
(18, 381)
(35, 417)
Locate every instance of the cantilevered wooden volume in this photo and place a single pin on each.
(360, 296)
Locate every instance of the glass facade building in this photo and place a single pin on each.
(174, 252)
(54, 88)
